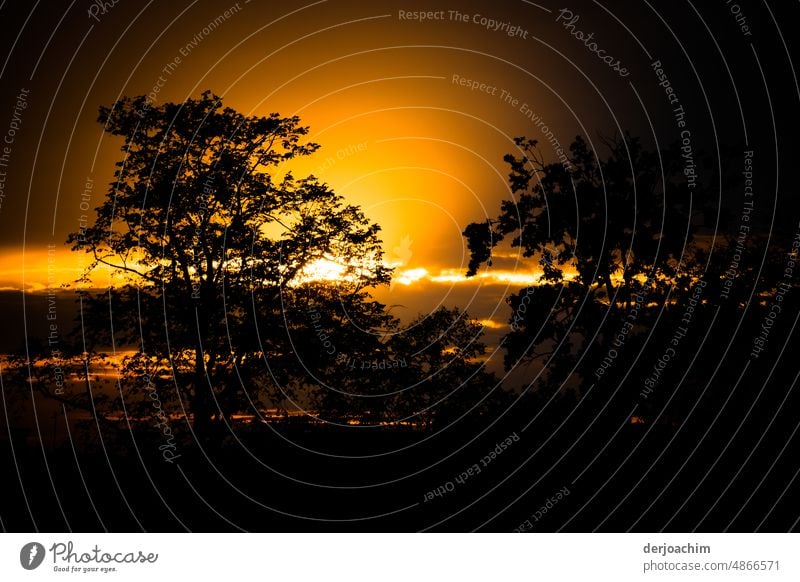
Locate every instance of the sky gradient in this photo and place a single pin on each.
(414, 107)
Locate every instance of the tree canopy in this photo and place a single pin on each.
(611, 235)
(220, 249)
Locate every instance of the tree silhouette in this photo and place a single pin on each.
(214, 238)
(426, 373)
(221, 252)
(611, 236)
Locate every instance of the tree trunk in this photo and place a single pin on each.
(605, 273)
(200, 403)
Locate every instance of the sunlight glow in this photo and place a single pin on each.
(487, 277)
(410, 276)
(333, 270)
(322, 270)
(43, 271)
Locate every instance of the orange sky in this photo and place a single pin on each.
(403, 135)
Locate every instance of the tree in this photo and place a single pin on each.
(608, 234)
(427, 373)
(214, 240)
(445, 380)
